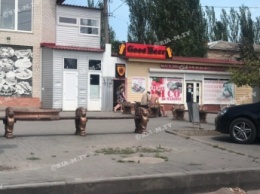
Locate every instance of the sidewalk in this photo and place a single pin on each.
(45, 157)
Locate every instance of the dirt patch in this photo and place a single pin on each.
(6, 168)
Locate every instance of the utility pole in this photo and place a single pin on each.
(106, 22)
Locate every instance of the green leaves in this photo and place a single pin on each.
(247, 74)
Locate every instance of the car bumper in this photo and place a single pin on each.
(221, 124)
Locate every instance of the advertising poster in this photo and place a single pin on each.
(138, 84)
(218, 92)
(171, 89)
(15, 70)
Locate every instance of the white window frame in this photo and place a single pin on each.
(98, 27)
(16, 18)
(67, 24)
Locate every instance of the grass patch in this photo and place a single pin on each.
(109, 151)
(151, 150)
(133, 150)
(32, 157)
(157, 155)
(195, 164)
(129, 161)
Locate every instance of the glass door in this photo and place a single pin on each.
(193, 92)
(94, 92)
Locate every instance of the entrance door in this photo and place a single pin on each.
(70, 90)
(117, 84)
(94, 92)
(195, 89)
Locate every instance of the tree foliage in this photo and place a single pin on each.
(156, 21)
(139, 29)
(257, 31)
(249, 72)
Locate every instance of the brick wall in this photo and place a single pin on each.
(218, 54)
(43, 30)
(19, 102)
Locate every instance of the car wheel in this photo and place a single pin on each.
(242, 131)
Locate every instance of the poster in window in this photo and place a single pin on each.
(170, 88)
(174, 89)
(138, 84)
(16, 71)
(218, 92)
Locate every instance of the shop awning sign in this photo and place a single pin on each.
(132, 50)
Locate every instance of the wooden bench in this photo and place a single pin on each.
(154, 110)
(127, 108)
(203, 112)
(178, 111)
(13, 115)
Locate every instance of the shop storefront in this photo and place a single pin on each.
(206, 79)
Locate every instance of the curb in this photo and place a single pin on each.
(184, 183)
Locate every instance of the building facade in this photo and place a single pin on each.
(51, 57)
(206, 79)
(23, 26)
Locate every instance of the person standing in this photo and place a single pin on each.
(120, 99)
(145, 99)
(189, 101)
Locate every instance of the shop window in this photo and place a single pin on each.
(170, 88)
(94, 65)
(70, 63)
(16, 15)
(218, 91)
(89, 26)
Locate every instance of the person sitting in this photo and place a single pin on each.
(155, 101)
(145, 99)
(120, 99)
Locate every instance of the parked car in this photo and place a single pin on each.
(241, 122)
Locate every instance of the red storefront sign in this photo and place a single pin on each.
(145, 51)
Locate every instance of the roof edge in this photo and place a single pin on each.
(72, 48)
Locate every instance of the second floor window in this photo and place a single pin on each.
(16, 15)
(89, 26)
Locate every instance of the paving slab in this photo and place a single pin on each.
(45, 157)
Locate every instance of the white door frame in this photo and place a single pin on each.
(196, 89)
(94, 93)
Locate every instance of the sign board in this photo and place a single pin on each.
(120, 70)
(145, 51)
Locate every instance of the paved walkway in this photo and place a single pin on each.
(45, 157)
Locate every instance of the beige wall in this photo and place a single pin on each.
(244, 95)
(43, 30)
(137, 69)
